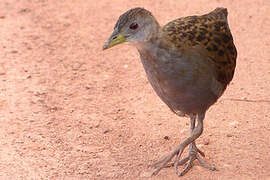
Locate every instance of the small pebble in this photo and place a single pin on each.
(182, 131)
(146, 174)
(106, 131)
(166, 137)
(25, 10)
(206, 141)
(234, 123)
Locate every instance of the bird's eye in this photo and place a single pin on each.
(133, 26)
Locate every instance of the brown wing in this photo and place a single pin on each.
(211, 33)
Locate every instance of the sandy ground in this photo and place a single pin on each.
(71, 111)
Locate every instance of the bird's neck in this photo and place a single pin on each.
(146, 46)
(152, 40)
(154, 43)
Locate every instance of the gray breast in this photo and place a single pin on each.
(178, 80)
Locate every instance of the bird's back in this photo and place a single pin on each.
(209, 34)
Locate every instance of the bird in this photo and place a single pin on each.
(189, 62)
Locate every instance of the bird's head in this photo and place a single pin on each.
(136, 25)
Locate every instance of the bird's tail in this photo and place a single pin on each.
(219, 13)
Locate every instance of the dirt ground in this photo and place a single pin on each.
(71, 111)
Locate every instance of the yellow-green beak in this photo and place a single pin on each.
(114, 40)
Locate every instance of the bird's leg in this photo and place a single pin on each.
(193, 144)
(196, 132)
(193, 151)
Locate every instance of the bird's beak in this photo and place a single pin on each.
(116, 38)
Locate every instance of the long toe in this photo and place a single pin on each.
(197, 149)
(204, 164)
(165, 162)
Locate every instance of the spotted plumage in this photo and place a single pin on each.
(207, 32)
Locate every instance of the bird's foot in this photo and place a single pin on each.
(165, 162)
(194, 153)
